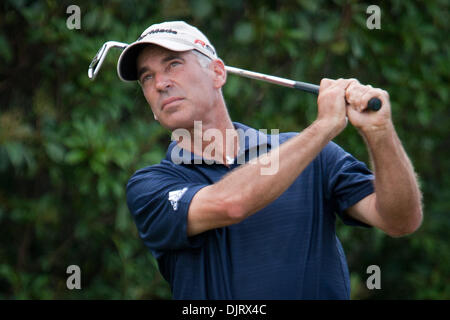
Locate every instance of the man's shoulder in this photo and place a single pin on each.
(276, 138)
(285, 136)
(164, 168)
(330, 146)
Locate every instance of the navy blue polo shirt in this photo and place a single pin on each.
(288, 250)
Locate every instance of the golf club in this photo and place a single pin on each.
(373, 104)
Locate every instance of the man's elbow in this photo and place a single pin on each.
(235, 212)
(407, 227)
(236, 208)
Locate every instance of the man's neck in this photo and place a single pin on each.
(215, 140)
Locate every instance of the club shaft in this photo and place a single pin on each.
(275, 80)
(373, 104)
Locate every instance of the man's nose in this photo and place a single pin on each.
(162, 82)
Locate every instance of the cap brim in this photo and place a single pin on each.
(126, 65)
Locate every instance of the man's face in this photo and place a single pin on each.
(178, 89)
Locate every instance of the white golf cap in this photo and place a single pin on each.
(173, 35)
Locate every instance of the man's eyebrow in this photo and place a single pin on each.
(170, 56)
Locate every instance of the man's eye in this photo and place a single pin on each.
(174, 63)
(146, 77)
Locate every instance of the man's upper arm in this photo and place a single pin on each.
(207, 211)
(365, 211)
(159, 201)
(349, 184)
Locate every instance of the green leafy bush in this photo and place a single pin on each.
(69, 145)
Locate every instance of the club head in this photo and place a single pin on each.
(97, 62)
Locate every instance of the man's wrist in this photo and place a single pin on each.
(379, 133)
(326, 128)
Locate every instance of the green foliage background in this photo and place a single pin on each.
(69, 145)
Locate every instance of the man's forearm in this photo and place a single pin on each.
(248, 191)
(398, 198)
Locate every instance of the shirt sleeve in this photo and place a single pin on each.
(349, 181)
(158, 199)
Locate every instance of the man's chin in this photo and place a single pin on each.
(174, 122)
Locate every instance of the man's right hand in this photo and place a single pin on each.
(332, 105)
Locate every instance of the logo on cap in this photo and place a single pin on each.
(204, 45)
(201, 42)
(157, 31)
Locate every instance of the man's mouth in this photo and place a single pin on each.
(168, 101)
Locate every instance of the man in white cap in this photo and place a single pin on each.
(223, 230)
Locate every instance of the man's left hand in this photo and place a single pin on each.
(368, 122)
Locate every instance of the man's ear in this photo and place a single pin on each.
(220, 74)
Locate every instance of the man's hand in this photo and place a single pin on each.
(367, 122)
(331, 105)
(347, 97)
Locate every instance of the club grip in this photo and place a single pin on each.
(374, 104)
